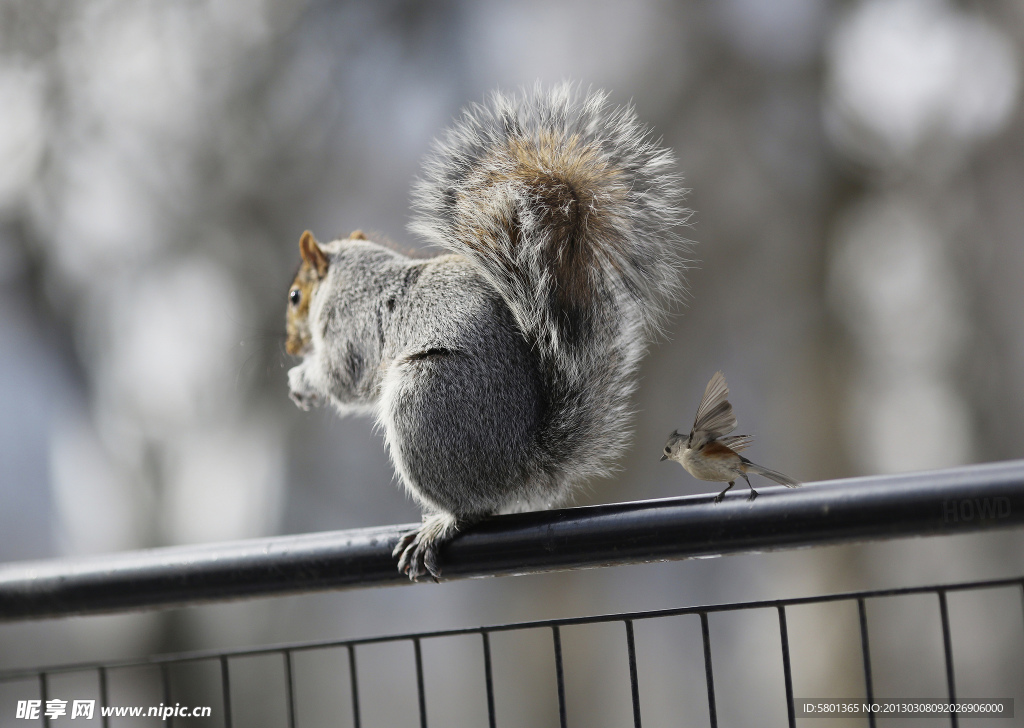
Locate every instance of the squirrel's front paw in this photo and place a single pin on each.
(417, 551)
(304, 400)
(300, 391)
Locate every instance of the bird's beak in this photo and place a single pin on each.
(664, 458)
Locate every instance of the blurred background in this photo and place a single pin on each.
(857, 172)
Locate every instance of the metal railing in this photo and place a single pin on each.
(858, 509)
(941, 502)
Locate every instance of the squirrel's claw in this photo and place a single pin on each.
(302, 401)
(416, 559)
(418, 551)
(410, 562)
(400, 548)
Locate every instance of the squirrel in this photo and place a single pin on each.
(501, 372)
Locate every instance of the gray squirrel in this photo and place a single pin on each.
(500, 373)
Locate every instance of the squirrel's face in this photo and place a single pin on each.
(311, 271)
(297, 317)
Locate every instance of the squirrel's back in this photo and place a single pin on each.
(569, 210)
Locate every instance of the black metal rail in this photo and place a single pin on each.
(859, 509)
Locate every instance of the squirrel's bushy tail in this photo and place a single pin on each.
(569, 210)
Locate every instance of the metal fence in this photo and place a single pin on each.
(929, 503)
(222, 661)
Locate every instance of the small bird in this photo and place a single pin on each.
(707, 454)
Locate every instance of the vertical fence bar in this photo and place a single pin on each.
(44, 694)
(104, 701)
(708, 674)
(489, 679)
(165, 680)
(786, 670)
(354, 683)
(419, 682)
(225, 684)
(1022, 598)
(289, 687)
(633, 682)
(557, 637)
(947, 644)
(869, 687)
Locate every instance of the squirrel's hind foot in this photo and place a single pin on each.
(417, 551)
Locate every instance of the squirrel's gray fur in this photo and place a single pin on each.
(501, 373)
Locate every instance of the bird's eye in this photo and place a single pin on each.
(295, 295)
(668, 451)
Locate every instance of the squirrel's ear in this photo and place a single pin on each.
(312, 254)
(357, 235)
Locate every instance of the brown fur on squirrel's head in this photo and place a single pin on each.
(311, 271)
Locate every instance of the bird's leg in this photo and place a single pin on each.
(753, 493)
(720, 496)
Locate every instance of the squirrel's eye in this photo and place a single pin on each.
(295, 295)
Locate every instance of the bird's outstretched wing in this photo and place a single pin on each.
(737, 442)
(714, 416)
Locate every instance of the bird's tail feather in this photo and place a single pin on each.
(772, 475)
